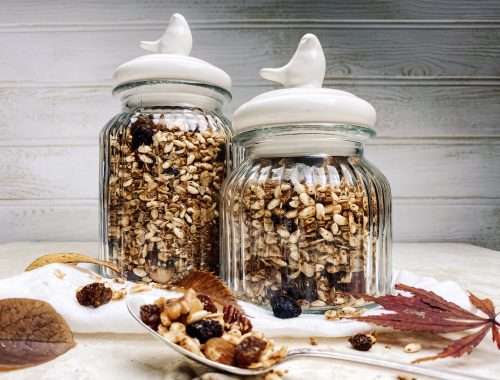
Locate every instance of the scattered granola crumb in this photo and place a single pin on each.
(388, 346)
(274, 374)
(95, 277)
(404, 377)
(345, 312)
(59, 274)
(137, 288)
(413, 347)
(119, 280)
(313, 341)
(119, 294)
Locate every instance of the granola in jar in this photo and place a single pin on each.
(305, 215)
(165, 175)
(163, 160)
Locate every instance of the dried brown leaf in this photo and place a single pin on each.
(495, 332)
(208, 284)
(459, 347)
(31, 333)
(425, 311)
(69, 258)
(485, 305)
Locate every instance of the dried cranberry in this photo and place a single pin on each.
(249, 350)
(208, 305)
(95, 294)
(150, 315)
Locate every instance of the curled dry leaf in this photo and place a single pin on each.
(425, 311)
(69, 258)
(208, 284)
(31, 333)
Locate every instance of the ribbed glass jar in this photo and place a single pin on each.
(305, 214)
(163, 159)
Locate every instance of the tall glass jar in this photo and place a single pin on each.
(163, 159)
(305, 214)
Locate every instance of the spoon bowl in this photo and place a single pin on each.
(134, 304)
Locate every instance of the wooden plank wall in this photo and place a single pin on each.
(430, 67)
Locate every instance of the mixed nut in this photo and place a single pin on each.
(304, 234)
(225, 336)
(161, 195)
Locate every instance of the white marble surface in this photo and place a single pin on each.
(109, 356)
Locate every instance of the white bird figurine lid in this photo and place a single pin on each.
(303, 101)
(171, 60)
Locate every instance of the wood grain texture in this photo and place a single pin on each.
(431, 68)
(64, 11)
(75, 115)
(414, 220)
(90, 56)
(414, 169)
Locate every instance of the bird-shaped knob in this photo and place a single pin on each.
(305, 69)
(177, 39)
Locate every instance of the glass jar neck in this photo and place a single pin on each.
(162, 93)
(296, 142)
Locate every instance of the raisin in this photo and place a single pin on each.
(131, 276)
(95, 294)
(276, 219)
(208, 305)
(289, 225)
(171, 171)
(285, 307)
(141, 135)
(361, 342)
(221, 155)
(249, 350)
(204, 330)
(150, 315)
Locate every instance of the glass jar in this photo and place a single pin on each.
(305, 214)
(163, 159)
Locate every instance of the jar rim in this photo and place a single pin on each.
(221, 92)
(341, 131)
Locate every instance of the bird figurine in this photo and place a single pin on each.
(305, 69)
(177, 39)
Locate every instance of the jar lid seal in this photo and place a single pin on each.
(171, 60)
(303, 101)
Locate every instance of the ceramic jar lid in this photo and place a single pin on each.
(171, 61)
(303, 101)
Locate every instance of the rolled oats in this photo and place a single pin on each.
(302, 234)
(161, 210)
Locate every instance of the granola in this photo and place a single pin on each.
(161, 195)
(303, 232)
(213, 335)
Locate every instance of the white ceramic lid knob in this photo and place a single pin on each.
(305, 69)
(171, 61)
(303, 101)
(177, 38)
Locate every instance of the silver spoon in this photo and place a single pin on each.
(134, 305)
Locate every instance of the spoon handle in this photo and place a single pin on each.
(409, 368)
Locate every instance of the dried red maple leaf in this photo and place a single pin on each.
(426, 311)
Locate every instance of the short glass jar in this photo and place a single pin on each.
(307, 215)
(304, 213)
(163, 159)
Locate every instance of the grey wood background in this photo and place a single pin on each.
(430, 67)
